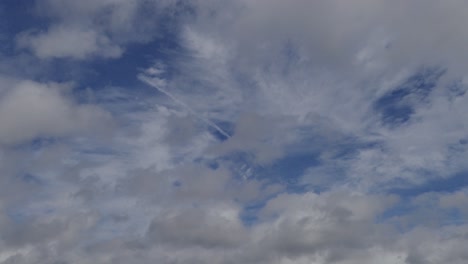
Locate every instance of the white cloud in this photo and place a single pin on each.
(88, 29)
(29, 110)
(69, 42)
(218, 226)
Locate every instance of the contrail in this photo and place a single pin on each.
(152, 83)
(246, 169)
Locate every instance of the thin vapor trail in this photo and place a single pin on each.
(152, 83)
(246, 169)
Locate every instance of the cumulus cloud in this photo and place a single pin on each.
(62, 42)
(195, 227)
(32, 110)
(92, 28)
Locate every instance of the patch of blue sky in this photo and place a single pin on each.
(402, 208)
(408, 214)
(16, 216)
(434, 187)
(291, 168)
(249, 214)
(457, 148)
(453, 217)
(350, 146)
(456, 89)
(110, 225)
(123, 71)
(451, 184)
(241, 164)
(21, 211)
(17, 16)
(31, 179)
(37, 144)
(292, 57)
(98, 151)
(226, 126)
(330, 158)
(286, 171)
(397, 106)
(120, 101)
(88, 152)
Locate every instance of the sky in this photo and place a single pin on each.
(222, 131)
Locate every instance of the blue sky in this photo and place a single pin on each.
(269, 131)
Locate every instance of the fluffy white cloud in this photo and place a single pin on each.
(63, 42)
(87, 29)
(30, 110)
(216, 227)
(361, 101)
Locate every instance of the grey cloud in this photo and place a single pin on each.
(198, 227)
(256, 135)
(30, 109)
(333, 225)
(19, 235)
(334, 33)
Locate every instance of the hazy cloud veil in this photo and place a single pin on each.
(247, 131)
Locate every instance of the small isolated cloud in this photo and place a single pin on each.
(88, 29)
(69, 42)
